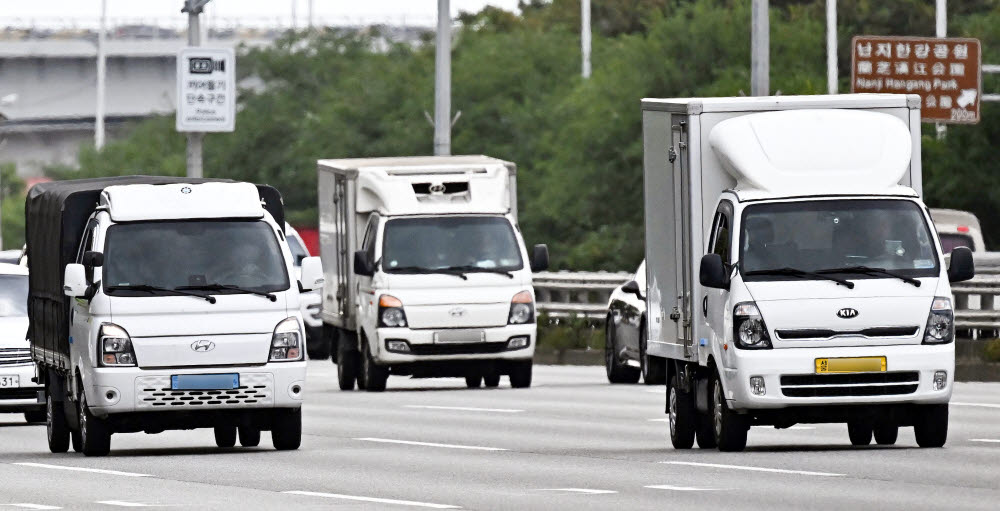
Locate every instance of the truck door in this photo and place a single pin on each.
(79, 326)
(715, 301)
(367, 308)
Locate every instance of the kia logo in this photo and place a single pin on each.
(202, 345)
(457, 312)
(847, 313)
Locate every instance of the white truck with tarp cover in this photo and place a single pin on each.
(793, 273)
(160, 303)
(426, 273)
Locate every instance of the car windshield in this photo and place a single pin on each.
(13, 295)
(193, 253)
(823, 236)
(950, 242)
(437, 243)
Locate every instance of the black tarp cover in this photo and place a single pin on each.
(56, 215)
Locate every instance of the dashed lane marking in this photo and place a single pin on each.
(680, 488)
(27, 505)
(122, 503)
(985, 440)
(83, 469)
(753, 469)
(464, 408)
(981, 405)
(587, 491)
(376, 500)
(430, 444)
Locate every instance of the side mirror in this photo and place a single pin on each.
(962, 266)
(713, 272)
(75, 281)
(92, 259)
(633, 288)
(311, 275)
(539, 258)
(362, 266)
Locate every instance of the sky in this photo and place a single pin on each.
(86, 12)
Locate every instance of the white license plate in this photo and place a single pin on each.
(9, 382)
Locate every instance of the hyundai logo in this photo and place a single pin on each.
(437, 188)
(847, 313)
(457, 312)
(186, 190)
(202, 345)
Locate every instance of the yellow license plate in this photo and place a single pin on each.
(851, 365)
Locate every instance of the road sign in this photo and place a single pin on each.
(945, 72)
(206, 89)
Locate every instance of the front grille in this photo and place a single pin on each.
(882, 331)
(854, 384)
(474, 348)
(18, 393)
(154, 392)
(15, 356)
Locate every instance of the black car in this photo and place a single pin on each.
(625, 340)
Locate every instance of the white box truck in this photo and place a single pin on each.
(426, 271)
(793, 273)
(162, 303)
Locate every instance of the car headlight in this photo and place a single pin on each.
(749, 330)
(115, 347)
(940, 322)
(522, 309)
(286, 341)
(390, 312)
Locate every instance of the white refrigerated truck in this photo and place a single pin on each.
(793, 273)
(426, 271)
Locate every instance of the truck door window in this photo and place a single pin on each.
(720, 241)
(368, 245)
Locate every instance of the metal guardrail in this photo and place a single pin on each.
(975, 300)
(584, 294)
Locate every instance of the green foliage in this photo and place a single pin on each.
(563, 334)
(992, 351)
(11, 206)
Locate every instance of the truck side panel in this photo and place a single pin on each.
(337, 245)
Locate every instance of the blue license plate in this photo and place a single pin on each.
(204, 381)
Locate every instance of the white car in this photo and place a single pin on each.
(17, 392)
(317, 346)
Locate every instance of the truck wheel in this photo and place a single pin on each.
(347, 362)
(681, 415)
(931, 425)
(473, 382)
(318, 347)
(886, 434)
(95, 435)
(654, 369)
(617, 371)
(491, 380)
(55, 425)
(860, 433)
(520, 374)
(36, 417)
(704, 432)
(249, 437)
(730, 428)
(374, 375)
(225, 436)
(286, 431)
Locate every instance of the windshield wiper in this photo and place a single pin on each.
(156, 289)
(795, 272)
(417, 270)
(479, 269)
(868, 270)
(219, 287)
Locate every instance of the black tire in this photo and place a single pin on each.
(886, 434)
(36, 417)
(348, 362)
(373, 375)
(56, 429)
(317, 344)
(681, 415)
(491, 381)
(730, 428)
(286, 430)
(654, 369)
(931, 425)
(704, 432)
(860, 433)
(225, 436)
(616, 370)
(520, 374)
(473, 382)
(249, 437)
(95, 433)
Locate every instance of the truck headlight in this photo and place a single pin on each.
(940, 322)
(749, 330)
(522, 309)
(286, 341)
(390, 312)
(115, 346)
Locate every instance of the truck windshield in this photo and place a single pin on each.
(170, 255)
(13, 295)
(847, 238)
(467, 243)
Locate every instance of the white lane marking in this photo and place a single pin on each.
(982, 405)
(430, 444)
(83, 469)
(659, 420)
(655, 391)
(122, 503)
(27, 505)
(464, 408)
(985, 440)
(372, 499)
(753, 469)
(587, 491)
(801, 427)
(681, 488)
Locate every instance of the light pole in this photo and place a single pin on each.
(585, 36)
(442, 81)
(941, 31)
(194, 8)
(831, 46)
(99, 114)
(760, 49)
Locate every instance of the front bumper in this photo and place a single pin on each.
(122, 390)
(28, 396)
(423, 343)
(924, 360)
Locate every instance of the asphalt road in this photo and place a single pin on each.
(570, 442)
